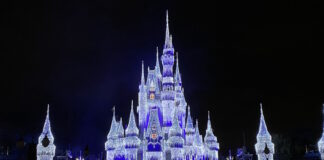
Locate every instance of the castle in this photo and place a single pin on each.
(166, 129)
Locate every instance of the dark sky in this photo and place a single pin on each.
(83, 57)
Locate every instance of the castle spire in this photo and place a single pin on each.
(189, 123)
(197, 128)
(263, 130)
(113, 126)
(168, 37)
(197, 137)
(157, 65)
(47, 125)
(132, 128)
(167, 32)
(177, 74)
(209, 128)
(120, 129)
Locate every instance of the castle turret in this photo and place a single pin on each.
(142, 108)
(157, 66)
(320, 143)
(189, 137)
(112, 138)
(189, 130)
(45, 147)
(211, 143)
(198, 144)
(264, 147)
(132, 142)
(167, 94)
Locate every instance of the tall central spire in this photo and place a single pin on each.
(168, 36)
(167, 32)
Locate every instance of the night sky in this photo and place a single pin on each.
(84, 57)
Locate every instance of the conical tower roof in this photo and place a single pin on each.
(177, 76)
(168, 37)
(209, 128)
(263, 130)
(113, 126)
(197, 139)
(189, 124)
(132, 128)
(47, 128)
(120, 130)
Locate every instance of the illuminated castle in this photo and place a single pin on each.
(165, 127)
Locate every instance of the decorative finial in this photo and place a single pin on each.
(132, 105)
(48, 109)
(261, 109)
(197, 125)
(177, 59)
(113, 110)
(188, 109)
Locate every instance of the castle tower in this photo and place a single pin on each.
(167, 94)
(198, 144)
(189, 130)
(176, 141)
(45, 146)
(320, 143)
(112, 138)
(132, 142)
(264, 148)
(211, 143)
(142, 108)
(189, 137)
